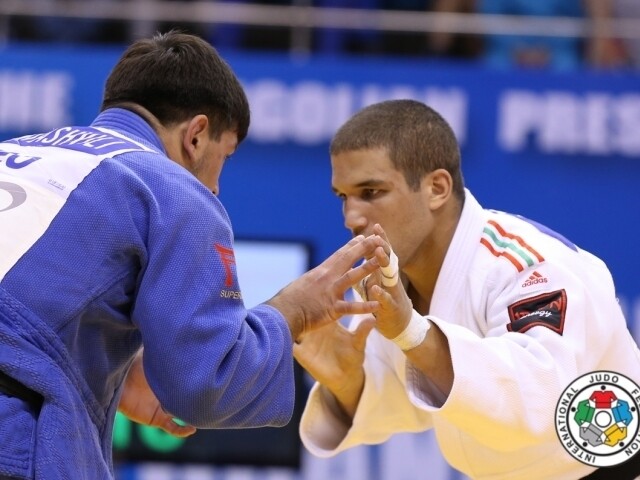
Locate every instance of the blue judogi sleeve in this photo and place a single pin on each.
(212, 362)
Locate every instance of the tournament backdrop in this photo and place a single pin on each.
(563, 149)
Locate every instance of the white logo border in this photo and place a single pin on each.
(564, 415)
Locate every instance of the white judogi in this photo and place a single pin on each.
(510, 368)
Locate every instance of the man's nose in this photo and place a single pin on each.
(354, 219)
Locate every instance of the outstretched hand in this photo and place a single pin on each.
(317, 297)
(334, 357)
(139, 403)
(395, 308)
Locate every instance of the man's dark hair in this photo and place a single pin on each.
(177, 76)
(417, 139)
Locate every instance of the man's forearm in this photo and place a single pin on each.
(433, 359)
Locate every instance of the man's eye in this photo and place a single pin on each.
(369, 193)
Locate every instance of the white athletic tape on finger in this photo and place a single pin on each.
(414, 334)
(390, 272)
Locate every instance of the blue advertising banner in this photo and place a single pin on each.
(560, 148)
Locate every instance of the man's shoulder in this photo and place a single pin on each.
(513, 241)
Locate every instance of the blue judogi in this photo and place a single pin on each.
(105, 245)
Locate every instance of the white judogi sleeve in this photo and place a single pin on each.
(384, 408)
(508, 382)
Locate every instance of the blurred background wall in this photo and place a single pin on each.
(544, 98)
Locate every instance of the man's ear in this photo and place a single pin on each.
(439, 187)
(196, 137)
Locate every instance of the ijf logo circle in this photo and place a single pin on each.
(597, 419)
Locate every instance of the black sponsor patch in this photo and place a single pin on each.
(547, 310)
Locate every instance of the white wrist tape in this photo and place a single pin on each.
(414, 334)
(390, 272)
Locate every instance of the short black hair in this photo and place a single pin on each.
(416, 137)
(176, 76)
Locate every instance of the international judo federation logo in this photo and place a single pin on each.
(597, 419)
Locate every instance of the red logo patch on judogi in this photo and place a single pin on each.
(546, 310)
(228, 259)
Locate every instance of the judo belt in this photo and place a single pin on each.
(13, 388)
(628, 470)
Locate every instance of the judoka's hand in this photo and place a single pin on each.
(333, 356)
(317, 297)
(395, 310)
(139, 403)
